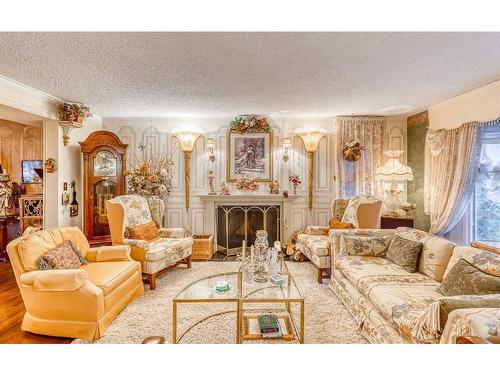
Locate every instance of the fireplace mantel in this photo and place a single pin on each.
(248, 198)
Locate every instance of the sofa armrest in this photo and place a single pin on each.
(137, 243)
(480, 322)
(174, 233)
(316, 230)
(108, 253)
(54, 280)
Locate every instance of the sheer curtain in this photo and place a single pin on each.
(358, 178)
(453, 159)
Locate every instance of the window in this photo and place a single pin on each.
(486, 205)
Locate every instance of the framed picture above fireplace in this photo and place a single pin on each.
(249, 152)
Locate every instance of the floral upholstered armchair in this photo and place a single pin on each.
(360, 212)
(163, 249)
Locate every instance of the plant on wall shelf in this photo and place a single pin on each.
(73, 112)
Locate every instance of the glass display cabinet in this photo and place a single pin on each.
(104, 161)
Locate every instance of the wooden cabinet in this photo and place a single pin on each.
(104, 158)
(389, 222)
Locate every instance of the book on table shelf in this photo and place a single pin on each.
(269, 326)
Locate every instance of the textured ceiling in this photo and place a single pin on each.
(162, 74)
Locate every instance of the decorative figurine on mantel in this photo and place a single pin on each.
(275, 187)
(224, 189)
(211, 183)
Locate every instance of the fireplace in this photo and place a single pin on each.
(237, 223)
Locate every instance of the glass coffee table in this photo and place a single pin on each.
(283, 300)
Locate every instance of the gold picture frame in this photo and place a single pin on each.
(259, 163)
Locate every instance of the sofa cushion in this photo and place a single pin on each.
(317, 245)
(436, 251)
(61, 257)
(145, 232)
(404, 253)
(109, 275)
(486, 261)
(365, 245)
(465, 279)
(401, 299)
(354, 268)
(160, 248)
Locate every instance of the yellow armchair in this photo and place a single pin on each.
(79, 303)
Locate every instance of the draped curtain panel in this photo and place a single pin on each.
(358, 178)
(452, 163)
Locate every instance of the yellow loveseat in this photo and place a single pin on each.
(79, 303)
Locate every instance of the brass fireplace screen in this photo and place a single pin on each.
(237, 223)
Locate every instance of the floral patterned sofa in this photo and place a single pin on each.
(314, 242)
(392, 305)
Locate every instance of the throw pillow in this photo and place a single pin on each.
(404, 253)
(464, 278)
(448, 304)
(62, 257)
(337, 224)
(364, 245)
(146, 232)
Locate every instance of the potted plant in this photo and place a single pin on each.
(73, 112)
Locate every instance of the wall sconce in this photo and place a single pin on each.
(287, 145)
(311, 141)
(211, 149)
(187, 139)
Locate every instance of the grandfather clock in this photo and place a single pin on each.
(104, 160)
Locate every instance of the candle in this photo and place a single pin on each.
(251, 255)
(243, 245)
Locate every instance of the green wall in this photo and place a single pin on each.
(416, 132)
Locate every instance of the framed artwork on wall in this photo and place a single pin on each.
(249, 151)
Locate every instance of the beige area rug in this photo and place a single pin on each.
(327, 321)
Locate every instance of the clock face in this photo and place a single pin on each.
(104, 164)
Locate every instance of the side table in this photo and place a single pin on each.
(389, 222)
(4, 236)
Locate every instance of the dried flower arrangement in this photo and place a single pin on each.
(246, 183)
(75, 112)
(151, 176)
(249, 124)
(296, 181)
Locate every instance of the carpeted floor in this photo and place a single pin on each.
(326, 320)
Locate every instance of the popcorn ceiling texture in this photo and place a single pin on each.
(220, 74)
(327, 321)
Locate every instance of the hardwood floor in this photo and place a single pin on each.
(12, 312)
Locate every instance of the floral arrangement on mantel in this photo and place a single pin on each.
(152, 177)
(249, 124)
(246, 183)
(73, 112)
(296, 181)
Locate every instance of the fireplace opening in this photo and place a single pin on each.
(237, 223)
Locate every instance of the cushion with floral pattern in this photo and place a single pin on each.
(62, 257)
(373, 246)
(404, 253)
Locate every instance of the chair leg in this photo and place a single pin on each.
(320, 275)
(152, 281)
(188, 262)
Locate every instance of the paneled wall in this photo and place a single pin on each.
(155, 134)
(19, 142)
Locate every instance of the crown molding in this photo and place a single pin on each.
(16, 95)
